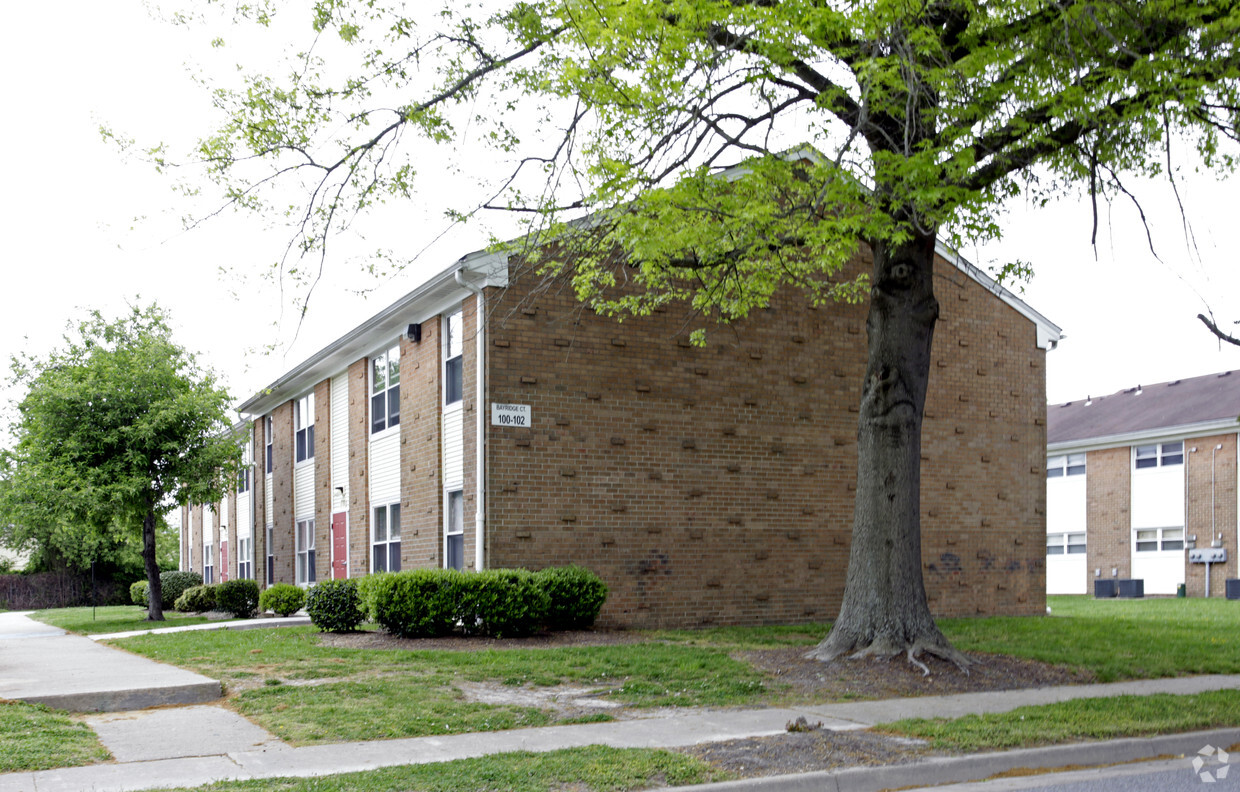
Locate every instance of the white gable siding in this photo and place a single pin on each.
(385, 469)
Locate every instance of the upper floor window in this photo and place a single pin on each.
(303, 427)
(452, 373)
(1149, 456)
(267, 438)
(1065, 543)
(243, 478)
(385, 390)
(1065, 465)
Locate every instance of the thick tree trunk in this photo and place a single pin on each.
(884, 612)
(154, 608)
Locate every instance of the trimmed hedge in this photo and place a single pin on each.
(367, 586)
(139, 593)
(283, 598)
(174, 584)
(334, 605)
(197, 599)
(576, 595)
(503, 603)
(419, 603)
(238, 597)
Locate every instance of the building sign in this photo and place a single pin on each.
(511, 415)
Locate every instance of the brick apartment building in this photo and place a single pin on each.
(706, 485)
(1136, 479)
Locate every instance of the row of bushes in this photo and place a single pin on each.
(414, 604)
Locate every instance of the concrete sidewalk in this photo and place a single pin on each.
(198, 745)
(45, 665)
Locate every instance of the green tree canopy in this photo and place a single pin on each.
(115, 426)
(928, 114)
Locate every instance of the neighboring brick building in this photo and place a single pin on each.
(706, 485)
(1137, 479)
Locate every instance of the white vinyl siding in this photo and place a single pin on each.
(453, 447)
(385, 469)
(1157, 514)
(339, 436)
(303, 491)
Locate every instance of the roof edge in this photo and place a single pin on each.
(1158, 434)
(1049, 333)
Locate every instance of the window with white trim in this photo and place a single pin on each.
(245, 566)
(1158, 455)
(271, 554)
(1152, 540)
(303, 427)
(208, 563)
(454, 533)
(268, 435)
(385, 539)
(385, 390)
(305, 552)
(1065, 543)
(453, 375)
(243, 477)
(1065, 465)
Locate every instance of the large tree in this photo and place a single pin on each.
(924, 116)
(115, 426)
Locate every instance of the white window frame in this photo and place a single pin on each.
(383, 539)
(1164, 540)
(245, 551)
(454, 523)
(385, 390)
(1065, 465)
(208, 563)
(453, 360)
(1156, 455)
(243, 479)
(303, 537)
(1065, 543)
(268, 441)
(270, 530)
(303, 429)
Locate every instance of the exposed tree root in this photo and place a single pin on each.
(887, 647)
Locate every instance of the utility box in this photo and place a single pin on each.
(1207, 555)
(1132, 589)
(1104, 589)
(1233, 589)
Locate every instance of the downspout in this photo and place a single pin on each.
(480, 464)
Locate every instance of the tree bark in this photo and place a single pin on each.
(884, 611)
(154, 607)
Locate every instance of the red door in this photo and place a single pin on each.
(340, 547)
(223, 560)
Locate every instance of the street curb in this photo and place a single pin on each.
(132, 699)
(978, 767)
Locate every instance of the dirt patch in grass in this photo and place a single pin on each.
(809, 751)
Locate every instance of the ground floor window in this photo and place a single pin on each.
(208, 565)
(1151, 540)
(271, 556)
(305, 551)
(385, 541)
(245, 555)
(1065, 543)
(454, 538)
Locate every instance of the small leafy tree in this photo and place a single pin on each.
(114, 425)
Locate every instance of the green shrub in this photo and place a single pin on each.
(284, 599)
(577, 594)
(334, 606)
(505, 603)
(238, 597)
(367, 586)
(419, 603)
(196, 599)
(138, 593)
(173, 584)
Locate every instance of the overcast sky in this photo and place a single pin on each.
(81, 228)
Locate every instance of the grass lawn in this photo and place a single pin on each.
(33, 737)
(110, 619)
(1071, 721)
(593, 769)
(1116, 639)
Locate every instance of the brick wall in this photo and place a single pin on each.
(712, 485)
(1203, 512)
(323, 480)
(282, 492)
(421, 492)
(359, 467)
(231, 520)
(258, 493)
(470, 414)
(1108, 503)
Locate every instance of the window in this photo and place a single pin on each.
(385, 390)
(245, 551)
(208, 566)
(243, 477)
(1149, 456)
(1065, 465)
(305, 552)
(271, 555)
(1065, 543)
(267, 438)
(454, 541)
(303, 427)
(452, 373)
(385, 548)
(1151, 540)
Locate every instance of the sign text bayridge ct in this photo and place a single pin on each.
(518, 415)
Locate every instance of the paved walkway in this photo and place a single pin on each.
(202, 744)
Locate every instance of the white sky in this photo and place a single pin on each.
(83, 229)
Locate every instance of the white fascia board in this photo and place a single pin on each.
(1162, 434)
(427, 300)
(1049, 333)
